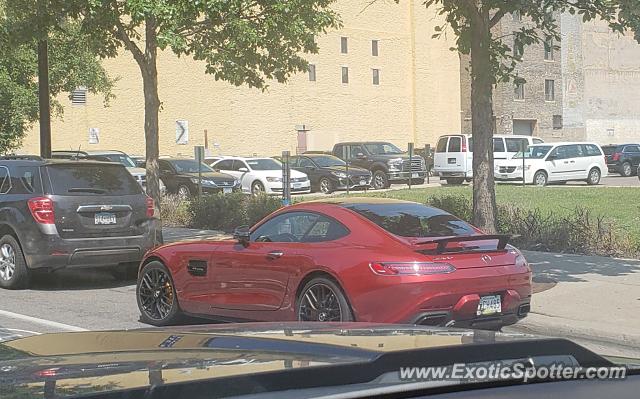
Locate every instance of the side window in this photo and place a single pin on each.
(561, 152)
(223, 165)
(575, 151)
(631, 148)
(515, 145)
(355, 150)
(498, 145)
(26, 180)
(304, 162)
(442, 144)
(165, 167)
(455, 144)
(592, 150)
(299, 227)
(339, 151)
(5, 180)
(294, 162)
(237, 164)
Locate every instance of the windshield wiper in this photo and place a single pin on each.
(87, 190)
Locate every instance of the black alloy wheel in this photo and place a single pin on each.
(322, 300)
(156, 295)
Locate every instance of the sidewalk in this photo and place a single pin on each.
(592, 300)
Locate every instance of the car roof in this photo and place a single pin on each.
(557, 143)
(364, 142)
(105, 152)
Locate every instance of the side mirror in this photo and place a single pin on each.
(243, 170)
(241, 234)
(552, 157)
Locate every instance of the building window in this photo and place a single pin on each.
(557, 122)
(376, 76)
(517, 16)
(374, 48)
(549, 90)
(519, 91)
(548, 49)
(344, 47)
(345, 75)
(518, 49)
(79, 96)
(312, 72)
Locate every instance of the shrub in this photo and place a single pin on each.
(174, 211)
(260, 206)
(226, 212)
(578, 232)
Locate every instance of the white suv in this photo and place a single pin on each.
(453, 158)
(262, 175)
(555, 163)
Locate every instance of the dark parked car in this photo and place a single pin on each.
(65, 214)
(180, 176)
(622, 158)
(328, 173)
(386, 162)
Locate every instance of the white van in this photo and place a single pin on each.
(555, 163)
(453, 158)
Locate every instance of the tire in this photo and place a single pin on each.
(417, 182)
(325, 186)
(183, 191)
(126, 271)
(455, 181)
(154, 281)
(594, 176)
(627, 171)
(380, 180)
(14, 273)
(335, 298)
(257, 188)
(540, 178)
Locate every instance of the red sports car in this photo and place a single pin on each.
(362, 259)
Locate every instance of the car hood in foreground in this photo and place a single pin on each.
(86, 362)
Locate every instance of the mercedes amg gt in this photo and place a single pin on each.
(354, 259)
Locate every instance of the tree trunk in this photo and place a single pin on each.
(484, 195)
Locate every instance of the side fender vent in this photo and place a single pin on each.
(197, 267)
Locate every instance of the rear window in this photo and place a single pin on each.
(498, 145)
(609, 149)
(442, 144)
(515, 145)
(412, 220)
(455, 144)
(92, 180)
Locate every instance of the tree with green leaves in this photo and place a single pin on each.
(243, 42)
(493, 61)
(73, 63)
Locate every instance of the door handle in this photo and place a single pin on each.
(275, 255)
(566, 161)
(572, 161)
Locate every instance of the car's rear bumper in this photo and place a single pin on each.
(53, 252)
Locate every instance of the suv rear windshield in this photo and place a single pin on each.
(609, 149)
(412, 220)
(79, 179)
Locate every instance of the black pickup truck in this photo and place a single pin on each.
(386, 162)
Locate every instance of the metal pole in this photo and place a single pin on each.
(524, 183)
(410, 146)
(347, 171)
(43, 87)
(427, 154)
(286, 178)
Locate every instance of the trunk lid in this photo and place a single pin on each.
(96, 200)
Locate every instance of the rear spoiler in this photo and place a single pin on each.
(503, 240)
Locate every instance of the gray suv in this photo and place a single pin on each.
(70, 214)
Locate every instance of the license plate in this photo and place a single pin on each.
(451, 161)
(297, 185)
(503, 176)
(489, 305)
(227, 190)
(415, 175)
(105, 218)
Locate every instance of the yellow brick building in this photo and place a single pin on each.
(417, 97)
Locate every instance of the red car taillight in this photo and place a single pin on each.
(42, 210)
(410, 268)
(521, 262)
(615, 157)
(464, 144)
(151, 209)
